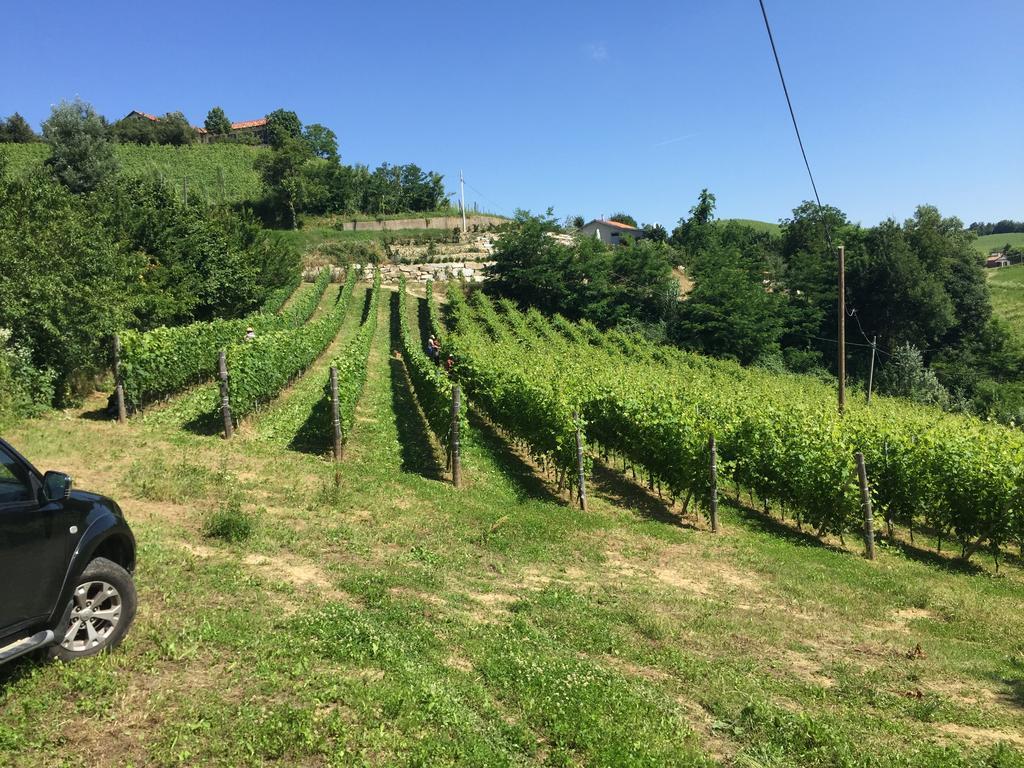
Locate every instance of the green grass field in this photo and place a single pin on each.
(1007, 286)
(203, 165)
(988, 243)
(390, 619)
(760, 226)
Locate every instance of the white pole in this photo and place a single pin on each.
(462, 197)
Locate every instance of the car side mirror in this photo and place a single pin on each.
(56, 486)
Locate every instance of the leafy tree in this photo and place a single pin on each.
(694, 234)
(81, 156)
(574, 222)
(643, 283)
(322, 141)
(655, 233)
(584, 280)
(16, 130)
(282, 126)
(174, 129)
(63, 280)
(728, 313)
(287, 186)
(623, 218)
(134, 129)
(217, 123)
(905, 375)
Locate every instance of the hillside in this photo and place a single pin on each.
(379, 616)
(760, 226)
(1007, 286)
(204, 166)
(987, 243)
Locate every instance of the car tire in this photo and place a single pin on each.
(102, 609)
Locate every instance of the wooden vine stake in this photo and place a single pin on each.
(865, 500)
(225, 401)
(580, 466)
(122, 411)
(714, 484)
(336, 414)
(454, 448)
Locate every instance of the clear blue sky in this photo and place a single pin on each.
(590, 107)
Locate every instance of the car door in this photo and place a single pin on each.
(33, 547)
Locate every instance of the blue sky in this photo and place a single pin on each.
(589, 107)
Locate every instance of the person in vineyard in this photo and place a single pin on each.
(433, 349)
(250, 333)
(449, 363)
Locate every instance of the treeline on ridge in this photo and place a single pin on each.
(765, 299)
(85, 252)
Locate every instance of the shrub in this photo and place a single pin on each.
(230, 522)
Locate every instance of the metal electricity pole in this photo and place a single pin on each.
(462, 199)
(871, 370)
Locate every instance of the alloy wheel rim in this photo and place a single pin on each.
(95, 614)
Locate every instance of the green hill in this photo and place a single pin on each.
(214, 171)
(1007, 286)
(988, 243)
(760, 226)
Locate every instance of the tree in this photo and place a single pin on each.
(585, 279)
(287, 185)
(623, 218)
(655, 233)
(574, 222)
(283, 125)
(63, 279)
(323, 142)
(174, 129)
(694, 234)
(134, 129)
(728, 313)
(905, 375)
(81, 156)
(16, 130)
(217, 123)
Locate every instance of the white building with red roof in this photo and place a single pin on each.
(610, 232)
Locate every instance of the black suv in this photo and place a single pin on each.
(66, 559)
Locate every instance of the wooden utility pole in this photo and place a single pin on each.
(335, 414)
(225, 402)
(714, 484)
(581, 473)
(842, 328)
(871, 370)
(865, 500)
(454, 444)
(122, 411)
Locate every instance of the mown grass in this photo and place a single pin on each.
(761, 226)
(204, 166)
(386, 618)
(1007, 287)
(988, 243)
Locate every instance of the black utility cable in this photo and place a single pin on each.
(792, 114)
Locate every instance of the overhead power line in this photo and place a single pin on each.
(792, 113)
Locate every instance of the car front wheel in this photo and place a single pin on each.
(102, 608)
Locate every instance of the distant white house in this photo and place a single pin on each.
(610, 232)
(997, 260)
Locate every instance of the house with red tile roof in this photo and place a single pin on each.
(610, 232)
(256, 128)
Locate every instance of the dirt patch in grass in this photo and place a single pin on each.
(981, 736)
(299, 574)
